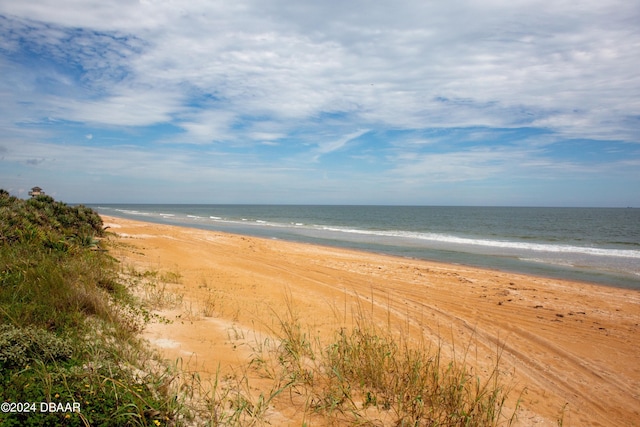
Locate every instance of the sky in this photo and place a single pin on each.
(403, 102)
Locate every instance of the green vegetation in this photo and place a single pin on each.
(366, 375)
(68, 328)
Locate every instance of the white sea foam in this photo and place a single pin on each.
(451, 239)
(504, 244)
(549, 261)
(132, 212)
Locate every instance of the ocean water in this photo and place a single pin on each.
(599, 245)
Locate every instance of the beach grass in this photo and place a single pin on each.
(68, 327)
(367, 375)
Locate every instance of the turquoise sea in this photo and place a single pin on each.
(599, 245)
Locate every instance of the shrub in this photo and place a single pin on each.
(73, 343)
(20, 346)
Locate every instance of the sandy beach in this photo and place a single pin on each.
(565, 347)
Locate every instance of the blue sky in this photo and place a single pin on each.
(487, 102)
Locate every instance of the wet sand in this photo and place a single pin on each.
(563, 344)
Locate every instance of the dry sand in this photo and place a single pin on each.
(564, 343)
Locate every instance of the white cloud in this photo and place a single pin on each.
(382, 64)
(207, 126)
(331, 146)
(132, 108)
(314, 75)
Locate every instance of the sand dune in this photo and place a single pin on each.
(564, 344)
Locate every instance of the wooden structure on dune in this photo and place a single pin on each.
(36, 191)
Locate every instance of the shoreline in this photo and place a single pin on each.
(562, 342)
(585, 271)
